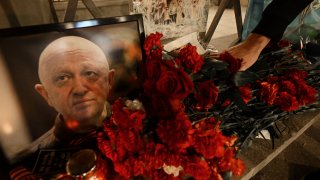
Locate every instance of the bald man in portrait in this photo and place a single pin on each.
(75, 80)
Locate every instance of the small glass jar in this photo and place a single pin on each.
(86, 164)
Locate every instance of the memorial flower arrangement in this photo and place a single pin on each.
(195, 112)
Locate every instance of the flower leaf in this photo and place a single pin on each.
(261, 65)
(214, 69)
(211, 63)
(241, 78)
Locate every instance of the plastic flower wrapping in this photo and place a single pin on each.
(196, 112)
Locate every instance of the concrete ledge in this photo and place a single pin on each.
(261, 153)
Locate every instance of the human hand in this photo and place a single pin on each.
(249, 50)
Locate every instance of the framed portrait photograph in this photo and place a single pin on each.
(25, 113)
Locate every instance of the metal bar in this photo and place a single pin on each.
(53, 11)
(238, 16)
(96, 13)
(8, 10)
(215, 21)
(71, 10)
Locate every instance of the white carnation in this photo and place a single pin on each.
(172, 169)
(134, 105)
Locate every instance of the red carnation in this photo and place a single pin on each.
(234, 63)
(268, 92)
(122, 170)
(208, 139)
(107, 147)
(306, 94)
(125, 118)
(246, 94)
(288, 86)
(153, 47)
(206, 94)
(197, 168)
(295, 75)
(272, 79)
(123, 131)
(131, 167)
(208, 123)
(209, 144)
(151, 157)
(155, 54)
(228, 162)
(226, 103)
(287, 102)
(238, 167)
(175, 133)
(190, 58)
(152, 70)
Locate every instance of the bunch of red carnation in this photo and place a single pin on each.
(289, 91)
(182, 149)
(162, 142)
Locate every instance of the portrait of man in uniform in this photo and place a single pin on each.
(64, 82)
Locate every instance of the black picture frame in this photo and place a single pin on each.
(20, 48)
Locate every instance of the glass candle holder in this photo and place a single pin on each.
(86, 164)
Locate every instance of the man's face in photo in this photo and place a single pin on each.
(77, 85)
(76, 79)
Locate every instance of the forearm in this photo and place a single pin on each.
(257, 41)
(277, 16)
